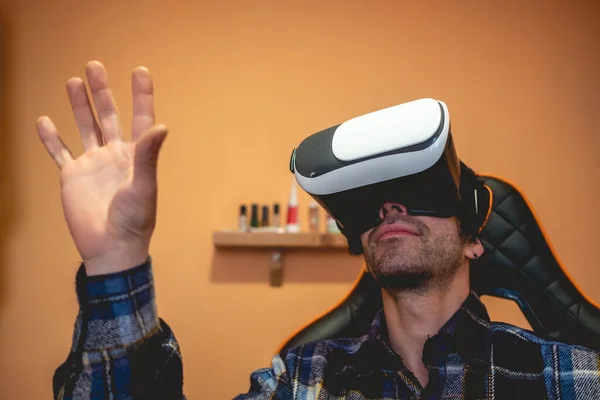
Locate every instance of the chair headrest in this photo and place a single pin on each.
(520, 265)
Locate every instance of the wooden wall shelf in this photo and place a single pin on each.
(279, 240)
(277, 243)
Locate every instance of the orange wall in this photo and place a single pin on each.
(240, 85)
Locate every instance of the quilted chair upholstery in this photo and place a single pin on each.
(519, 264)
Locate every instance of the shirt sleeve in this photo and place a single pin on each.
(272, 383)
(121, 349)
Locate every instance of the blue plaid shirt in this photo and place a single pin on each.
(122, 350)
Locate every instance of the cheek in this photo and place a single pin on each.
(364, 238)
(447, 236)
(442, 226)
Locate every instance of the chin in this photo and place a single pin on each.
(396, 281)
(396, 264)
(397, 251)
(396, 242)
(400, 266)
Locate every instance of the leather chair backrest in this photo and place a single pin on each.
(519, 264)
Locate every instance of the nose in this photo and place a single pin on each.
(391, 208)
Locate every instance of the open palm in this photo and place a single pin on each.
(109, 192)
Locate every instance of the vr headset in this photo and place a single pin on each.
(402, 154)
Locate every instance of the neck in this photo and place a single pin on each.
(414, 316)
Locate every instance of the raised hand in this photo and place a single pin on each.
(109, 192)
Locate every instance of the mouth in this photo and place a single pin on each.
(394, 230)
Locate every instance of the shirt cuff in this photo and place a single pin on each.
(118, 310)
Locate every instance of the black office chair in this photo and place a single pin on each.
(520, 265)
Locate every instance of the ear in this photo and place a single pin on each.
(474, 249)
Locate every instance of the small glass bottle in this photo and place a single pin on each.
(254, 216)
(313, 216)
(243, 219)
(264, 221)
(332, 225)
(276, 221)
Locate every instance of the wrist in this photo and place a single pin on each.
(124, 302)
(121, 257)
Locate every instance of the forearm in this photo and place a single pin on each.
(121, 349)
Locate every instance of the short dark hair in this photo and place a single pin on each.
(470, 222)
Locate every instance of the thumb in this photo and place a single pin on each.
(146, 158)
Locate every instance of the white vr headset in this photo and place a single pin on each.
(404, 154)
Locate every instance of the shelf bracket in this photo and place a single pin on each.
(276, 268)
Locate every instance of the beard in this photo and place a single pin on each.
(411, 263)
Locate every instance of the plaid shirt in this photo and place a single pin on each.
(122, 350)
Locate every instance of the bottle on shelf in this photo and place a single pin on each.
(254, 216)
(276, 221)
(313, 216)
(292, 214)
(264, 220)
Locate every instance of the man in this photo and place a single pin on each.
(433, 338)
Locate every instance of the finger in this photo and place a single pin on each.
(91, 135)
(143, 102)
(104, 101)
(53, 143)
(146, 159)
